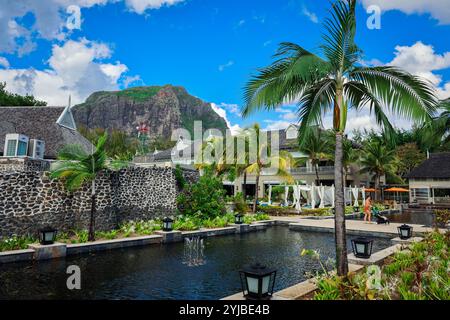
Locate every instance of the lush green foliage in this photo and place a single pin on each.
(119, 145)
(13, 99)
(240, 204)
(442, 217)
(15, 243)
(77, 168)
(206, 198)
(179, 177)
(419, 273)
(139, 94)
(409, 156)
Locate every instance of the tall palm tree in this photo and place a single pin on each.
(335, 82)
(258, 162)
(77, 168)
(435, 135)
(316, 144)
(378, 160)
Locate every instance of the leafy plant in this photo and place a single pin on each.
(205, 198)
(16, 243)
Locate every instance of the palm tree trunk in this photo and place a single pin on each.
(91, 235)
(256, 192)
(377, 186)
(339, 218)
(244, 186)
(316, 167)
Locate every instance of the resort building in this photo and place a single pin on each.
(30, 137)
(306, 174)
(429, 183)
(288, 141)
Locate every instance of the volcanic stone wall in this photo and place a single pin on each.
(30, 200)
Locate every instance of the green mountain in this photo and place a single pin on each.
(162, 108)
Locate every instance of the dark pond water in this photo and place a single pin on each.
(412, 216)
(158, 272)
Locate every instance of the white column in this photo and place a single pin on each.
(270, 194)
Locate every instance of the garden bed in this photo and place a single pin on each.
(419, 272)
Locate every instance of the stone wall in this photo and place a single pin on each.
(23, 164)
(30, 200)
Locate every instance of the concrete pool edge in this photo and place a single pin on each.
(34, 252)
(304, 288)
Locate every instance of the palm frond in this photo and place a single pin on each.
(398, 91)
(284, 80)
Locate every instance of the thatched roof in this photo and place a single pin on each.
(436, 167)
(40, 123)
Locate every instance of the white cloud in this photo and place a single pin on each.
(128, 80)
(222, 112)
(421, 59)
(222, 67)
(311, 15)
(75, 67)
(240, 23)
(140, 6)
(289, 116)
(438, 9)
(4, 62)
(267, 43)
(53, 19)
(277, 124)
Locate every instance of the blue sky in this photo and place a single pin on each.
(211, 47)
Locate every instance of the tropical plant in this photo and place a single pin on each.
(317, 145)
(409, 156)
(263, 159)
(77, 168)
(378, 160)
(435, 135)
(205, 197)
(119, 145)
(336, 82)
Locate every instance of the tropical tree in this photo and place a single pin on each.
(335, 82)
(77, 168)
(436, 134)
(317, 145)
(13, 99)
(379, 160)
(409, 156)
(263, 159)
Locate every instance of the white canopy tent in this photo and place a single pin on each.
(316, 195)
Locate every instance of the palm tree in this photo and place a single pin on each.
(378, 160)
(335, 82)
(436, 134)
(259, 161)
(77, 168)
(316, 144)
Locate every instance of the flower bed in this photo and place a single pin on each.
(421, 272)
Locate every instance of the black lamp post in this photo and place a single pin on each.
(47, 235)
(405, 231)
(257, 282)
(238, 218)
(167, 224)
(362, 247)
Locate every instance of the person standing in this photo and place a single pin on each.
(368, 209)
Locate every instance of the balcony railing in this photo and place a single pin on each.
(311, 170)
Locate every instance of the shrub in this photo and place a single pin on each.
(206, 197)
(16, 243)
(240, 204)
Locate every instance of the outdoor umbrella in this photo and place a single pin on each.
(397, 190)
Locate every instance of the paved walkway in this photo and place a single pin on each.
(352, 226)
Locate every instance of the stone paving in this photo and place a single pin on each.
(352, 226)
